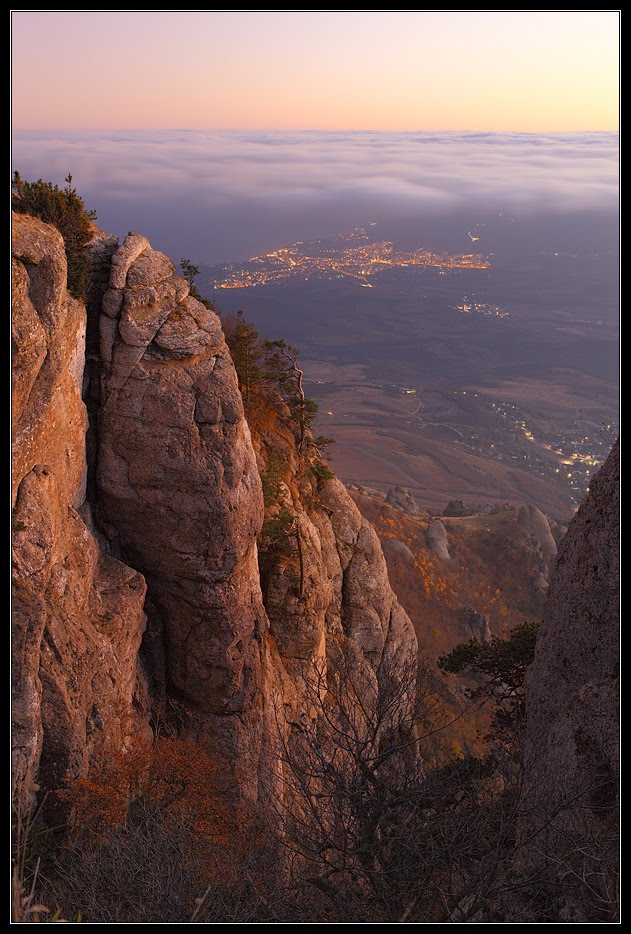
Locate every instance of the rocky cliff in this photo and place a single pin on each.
(571, 759)
(179, 493)
(78, 613)
(176, 495)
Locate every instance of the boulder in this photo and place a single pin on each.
(436, 540)
(401, 498)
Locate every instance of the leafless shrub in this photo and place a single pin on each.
(157, 870)
(363, 822)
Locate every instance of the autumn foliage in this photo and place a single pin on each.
(175, 775)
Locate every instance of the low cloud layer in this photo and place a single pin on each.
(220, 196)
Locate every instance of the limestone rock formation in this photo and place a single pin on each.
(327, 583)
(571, 759)
(477, 623)
(533, 522)
(393, 548)
(180, 492)
(77, 613)
(401, 498)
(437, 541)
(179, 487)
(174, 491)
(48, 339)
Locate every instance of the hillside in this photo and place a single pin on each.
(490, 576)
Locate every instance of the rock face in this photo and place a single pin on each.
(436, 540)
(572, 707)
(174, 490)
(328, 584)
(401, 498)
(533, 522)
(77, 613)
(179, 488)
(393, 548)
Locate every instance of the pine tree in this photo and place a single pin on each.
(189, 271)
(281, 369)
(245, 351)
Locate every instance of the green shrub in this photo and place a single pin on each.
(65, 210)
(321, 471)
(277, 528)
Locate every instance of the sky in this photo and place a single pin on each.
(514, 71)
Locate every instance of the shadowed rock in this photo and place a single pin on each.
(78, 614)
(398, 550)
(571, 757)
(478, 624)
(532, 522)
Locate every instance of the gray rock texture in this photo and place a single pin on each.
(478, 624)
(393, 548)
(78, 617)
(437, 541)
(174, 490)
(178, 484)
(571, 758)
(401, 498)
(180, 488)
(533, 522)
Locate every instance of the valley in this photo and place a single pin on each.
(491, 382)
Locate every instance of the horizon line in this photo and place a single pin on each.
(245, 129)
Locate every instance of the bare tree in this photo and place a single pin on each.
(366, 825)
(351, 775)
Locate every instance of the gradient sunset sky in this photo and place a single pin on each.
(519, 71)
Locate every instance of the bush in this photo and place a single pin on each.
(321, 471)
(156, 837)
(378, 836)
(156, 868)
(65, 210)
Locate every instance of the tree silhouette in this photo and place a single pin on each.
(189, 271)
(246, 355)
(281, 369)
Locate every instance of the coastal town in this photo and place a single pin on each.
(346, 256)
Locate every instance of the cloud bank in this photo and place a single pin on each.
(217, 196)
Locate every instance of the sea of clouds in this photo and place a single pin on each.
(220, 196)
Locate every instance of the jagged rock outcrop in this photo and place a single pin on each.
(175, 492)
(181, 493)
(571, 758)
(179, 489)
(401, 498)
(77, 613)
(477, 623)
(534, 523)
(329, 581)
(437, 541)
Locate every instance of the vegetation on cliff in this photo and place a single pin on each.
(65, 210)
